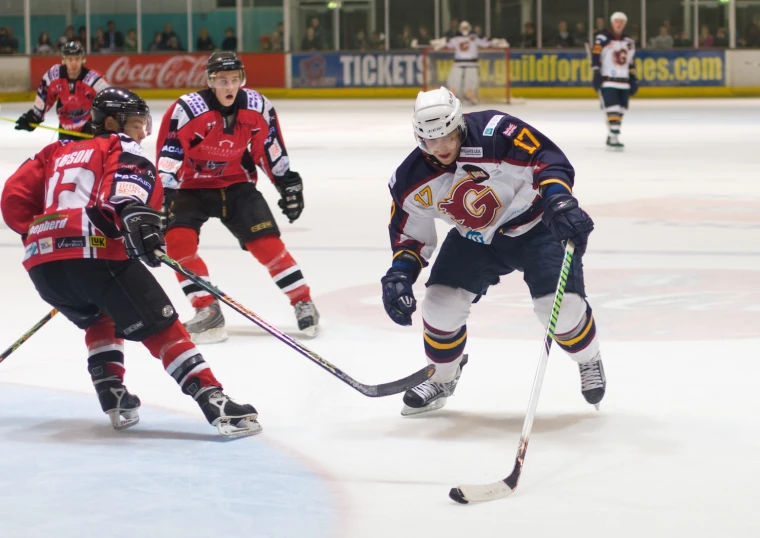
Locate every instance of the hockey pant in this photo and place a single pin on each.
(463, 81)
(615, 102)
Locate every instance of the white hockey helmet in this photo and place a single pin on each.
(436, 114)
(465, 28)
(619, 16)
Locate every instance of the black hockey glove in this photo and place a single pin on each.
(166, 207)
(142, 233)
(567, 221)
(597, 82)
(291, 191)
(24, 123)
(398, 296)
(634, 82)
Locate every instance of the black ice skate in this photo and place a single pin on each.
(207, 327)
(593, 381)
(430, 396)
(230, 418)
(308, 318)
(614, 144)
(115, 400)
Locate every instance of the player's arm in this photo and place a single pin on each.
(43, 101)
(596, 60)
(23, 196)
(169, 151)
(633, 79)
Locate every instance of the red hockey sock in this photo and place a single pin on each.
(102, 345)
(180, 357)
(270, 251)
(182, 245)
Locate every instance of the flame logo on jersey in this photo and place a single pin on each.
(464, 45)
(205, 168)
(621, 57)
(471, 204)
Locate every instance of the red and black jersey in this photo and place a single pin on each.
(74, 97)
(67, 199)
(203, 146)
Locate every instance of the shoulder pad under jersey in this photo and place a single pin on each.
(254, 100)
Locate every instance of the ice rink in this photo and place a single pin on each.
(673, 275)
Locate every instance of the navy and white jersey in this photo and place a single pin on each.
(492, 188)
(614, 56)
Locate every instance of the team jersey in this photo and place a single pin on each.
(74, 97)
(200, 148)
(613, 55)
(466, 47)
(494, 186)
(66, 200)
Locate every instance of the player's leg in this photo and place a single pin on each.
(455, 80)
(611, 97)
(250, 220)
(462, 271)
(541, 257)
(142, 312)
(471, 84)
(189, 211)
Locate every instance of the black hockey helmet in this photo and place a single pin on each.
(225, 60)
(120, 104)
(72, 48)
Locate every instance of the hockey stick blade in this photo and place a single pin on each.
(486, 492)
(373, 391)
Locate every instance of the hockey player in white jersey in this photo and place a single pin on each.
(612, 61)
(463, 78)
(507, 190)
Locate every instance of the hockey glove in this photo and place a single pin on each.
(398, 296)
(24, 123)
(597, 82)
(634, 82)
(142, 233)
(291, 191)
(567, 221)
(166, 208)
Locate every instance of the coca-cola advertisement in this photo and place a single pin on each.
(170, 71)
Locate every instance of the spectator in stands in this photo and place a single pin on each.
(157, 44)
(562, 39)
(478, 30)
(204, 42)
(378, 40)
(600, 25)
(360, 40)
(309, 41)
(453, 29)
(663, 40)
(721, 38)
(43, 46)
(114, 39)
(528, 38)
(130, 42)
(683, 40)
(82, 36)
(167, 35)
(635, 33)
(580, 36)
(99, 43)
(277, 37)
(265, 43)
(706, 39)
(423, 36)
(172, 45)
(318, 35)
(67, 37)
(8, 43)
(404, 39)
(230, 41)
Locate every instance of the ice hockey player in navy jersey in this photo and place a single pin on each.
(507, 190)
(614, 74)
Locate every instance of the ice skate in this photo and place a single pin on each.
(593, 380)
(430, 396)
(207, 327)
(115, 400)
(613, 144)
(230, 418)
(308, 318)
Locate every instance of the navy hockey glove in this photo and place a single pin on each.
(291, 191)
(634, 82)
(24, 123)
(398, 296)
(142, 233)
(597, 82)
(567, 221)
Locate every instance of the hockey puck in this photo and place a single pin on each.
(456, 495)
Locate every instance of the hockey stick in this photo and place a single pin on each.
(62, 131)
(506, 486)
(385, 389)
(28, 334)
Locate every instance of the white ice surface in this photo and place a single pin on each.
(673, 274)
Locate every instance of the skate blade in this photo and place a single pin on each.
(596, 406)
(122, 419)
(311, 332)
(615, 149)
(409, 411)
(249, 427)
(211, 336)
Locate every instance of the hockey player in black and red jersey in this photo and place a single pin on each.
(209, 145)
(73, 87)
(612, 61)
(507, 190)
(87, 211)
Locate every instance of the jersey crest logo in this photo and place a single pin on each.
(621, 57)
(470, 204)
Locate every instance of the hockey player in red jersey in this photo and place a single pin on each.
(87, 211)
(73, 86)
(209, 145)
